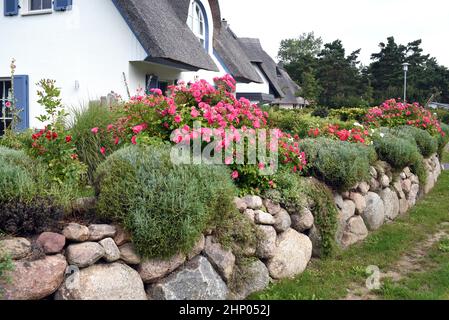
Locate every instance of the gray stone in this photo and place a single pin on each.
(240, 204)
(407, 172)
(403, 206)
(253, 202)
(363, 188)
(35, 280)
(373, 172)
(374, 184)
(283, 221)
(315, 237)
(129, 254)
(111, 251)
(339, 201)
(359, 201)
(355, 231)
(197, 280)
(391, 203)
(406, 186)
(84, 254)
(254, 278)
(198, 248)
(403, 176)
(122, 236)
(15, 248)
(430, 183)
(293, 253)
(223, 260)
(397, 186)
(151, 270)
(345, 195)
(374, 214)
(266, 244)
(114, 281)
(76, 232)
(272, 207)
(304, 221)
(51, 242)
(413, 195)
(414, 179)
(98, 232)
(250, 214)
(385, 181)
(264, 218)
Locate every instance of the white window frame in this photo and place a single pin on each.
(3, 99)
(26, 4)
(195, 20)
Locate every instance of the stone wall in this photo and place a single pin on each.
(99, 261)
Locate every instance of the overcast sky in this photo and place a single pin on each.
(358, 23)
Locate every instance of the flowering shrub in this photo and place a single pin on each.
(358, 134)
(202, 111)
(393, 114)
(53, 145)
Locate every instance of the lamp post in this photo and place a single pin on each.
(405, 68)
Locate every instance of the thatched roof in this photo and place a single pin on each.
(232, 55)
(285, 88)
(163, 33)
(257, 54)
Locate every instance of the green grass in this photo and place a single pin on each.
(330, 278)
(432, 284)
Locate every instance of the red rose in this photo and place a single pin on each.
(68, 139)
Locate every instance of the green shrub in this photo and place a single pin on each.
(321, 112)
(400, 152)
(339, 164)
(87, 144)
(166, 207)
(443, 141)
(426, 144)
(349, 114)
(6, 265)
(17, 180)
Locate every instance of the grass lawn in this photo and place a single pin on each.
(330, 278)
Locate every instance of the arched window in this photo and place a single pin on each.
(197, 22)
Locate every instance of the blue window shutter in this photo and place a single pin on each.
(21, 92)
(11, 7)
(62, 5)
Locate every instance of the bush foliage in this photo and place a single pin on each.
(165, 207)
(339, 164)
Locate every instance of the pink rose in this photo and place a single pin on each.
(8, 104)
(178, 118)
(134, 140)
(103, 150)
(94, 130)
(235, 175)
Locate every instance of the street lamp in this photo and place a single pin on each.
(405, 67)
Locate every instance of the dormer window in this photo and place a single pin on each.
(40, 5)
(197, 22)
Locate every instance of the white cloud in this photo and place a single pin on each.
(358, 23)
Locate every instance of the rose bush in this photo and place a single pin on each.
(210, 113)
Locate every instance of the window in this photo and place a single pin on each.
(5, 116)
(39, 5)
(197, 22)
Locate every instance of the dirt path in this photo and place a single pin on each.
(410, 262)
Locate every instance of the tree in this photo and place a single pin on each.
(299, 55)
(310, 89)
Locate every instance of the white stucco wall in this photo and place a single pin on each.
(91, 44)
(255, 87)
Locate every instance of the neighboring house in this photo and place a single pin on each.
(438, 105)
(91, 47)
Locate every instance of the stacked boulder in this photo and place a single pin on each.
(99, 262)
(368, 205)
(282, 245)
